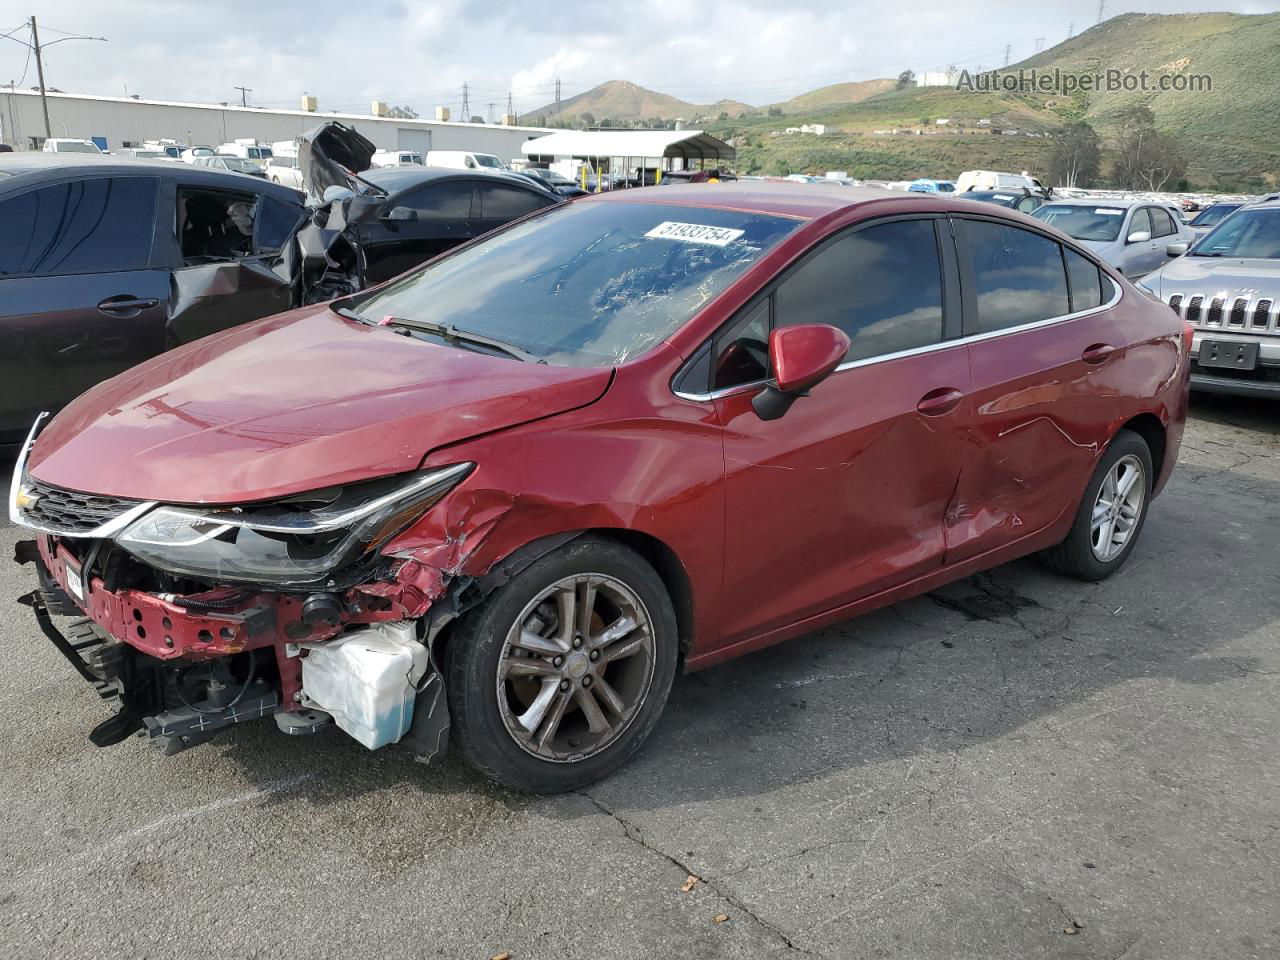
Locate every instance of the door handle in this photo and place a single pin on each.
(126, 304)
(1098, 353)
(940, 401)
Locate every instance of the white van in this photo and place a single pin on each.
(69, 145)
(994, 180)
(396, 158)
(464, 160)
(248, 150)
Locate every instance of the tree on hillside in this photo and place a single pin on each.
(906, 78)
(775, 111)
(1076, 159)
(1146, 158)
(588, 119)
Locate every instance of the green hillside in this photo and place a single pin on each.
(1229, 133)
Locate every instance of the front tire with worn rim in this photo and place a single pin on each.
(562, 673)
(1111, 513)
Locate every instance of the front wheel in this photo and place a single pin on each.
(562, 673)
(1111, 513)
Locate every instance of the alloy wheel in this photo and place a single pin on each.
(1118, 508)
(576, 667)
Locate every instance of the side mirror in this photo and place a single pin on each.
(801, 357)
(401, 213)
(1177, 249)
(1138, 236)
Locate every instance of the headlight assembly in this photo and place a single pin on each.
(295, 540)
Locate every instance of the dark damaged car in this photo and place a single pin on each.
(511, 493)
(104, 263)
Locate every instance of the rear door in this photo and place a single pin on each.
(1138, 256)
(1042, 344)
(80, 297)
(845, 495)
(501, 203)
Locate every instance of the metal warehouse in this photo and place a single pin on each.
(124, 122)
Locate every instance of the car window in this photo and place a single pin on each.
(450, 200)
(742, 352)
(1141, 221)
(1161, 222)
(507, 203)
(1085, 279)
(1083, 222)
(585, 284)
(274, 223)
(1253, 234)
(1018, 276)
(215, 225)
(881, 285)
(87, 226)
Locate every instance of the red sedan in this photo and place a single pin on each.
(503, 498)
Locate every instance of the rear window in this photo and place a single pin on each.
(1100, 222)
(586, 284)
(87, 226)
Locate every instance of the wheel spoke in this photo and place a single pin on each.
(609, 697)
(527, 667)
(628, 648)
(528, 640)
(615, 631)
(552, 722)
(532, 717)
(1104, 537)
(566, 609)
(585, 590)
(1127, 481)
(1101, 510)
(596, 721)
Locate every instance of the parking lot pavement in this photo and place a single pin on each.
(1016, 766)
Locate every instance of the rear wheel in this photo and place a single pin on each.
(1111, 513)
(561, 674)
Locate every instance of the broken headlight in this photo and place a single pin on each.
(295, 540)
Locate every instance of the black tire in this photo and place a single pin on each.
(478, 643)
(1074, 556)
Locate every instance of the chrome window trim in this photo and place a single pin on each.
(929, 348)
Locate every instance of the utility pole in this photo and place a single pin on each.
(1007, 47)
(1039, 44)
(491, 113)
(466, 104)
(244, 95)
(44, 99)
(511, 110)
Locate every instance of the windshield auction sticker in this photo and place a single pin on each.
(1108, 211)
(694, 233)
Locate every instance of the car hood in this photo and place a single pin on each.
(296, 402)
(1210, 275)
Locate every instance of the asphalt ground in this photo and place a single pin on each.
(1016, 766)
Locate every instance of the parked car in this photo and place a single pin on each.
(552, 180)
(1131, 235)
(140, 153)
(70, 145)
(107, 262)
(5, 148)
(709, 175)
(191, 154)
(464, 160)
(231, 164)
(248, 149)
(1211, 216)
(284, 170)
(925, 185)
(397, 158)
(1022, 199)
(1227, 286)
(995, 180)
(514, 491)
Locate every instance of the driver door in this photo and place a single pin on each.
(845, 495)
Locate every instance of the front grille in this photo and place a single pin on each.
(1259, 374)
(1241, 313)
(67, 511)
(1215, 312)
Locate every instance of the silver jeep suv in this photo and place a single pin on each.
(1227, 287)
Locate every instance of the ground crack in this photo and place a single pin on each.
(636, 835)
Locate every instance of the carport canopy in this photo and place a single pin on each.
(686, 145)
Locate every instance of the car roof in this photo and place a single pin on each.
(399, 179)
(1124, 203)
(36, 167)
(805, 201)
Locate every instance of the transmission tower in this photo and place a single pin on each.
(511, 110)
(1007, 48)
(1071, 29)
(557, 94)
(1039, 44)
(466, 104)
(1102, 5)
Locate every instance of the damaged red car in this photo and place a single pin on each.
(501, 500)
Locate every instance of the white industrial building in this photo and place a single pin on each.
(124, 122)
(628, 150)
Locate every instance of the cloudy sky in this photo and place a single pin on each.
(417, 53)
